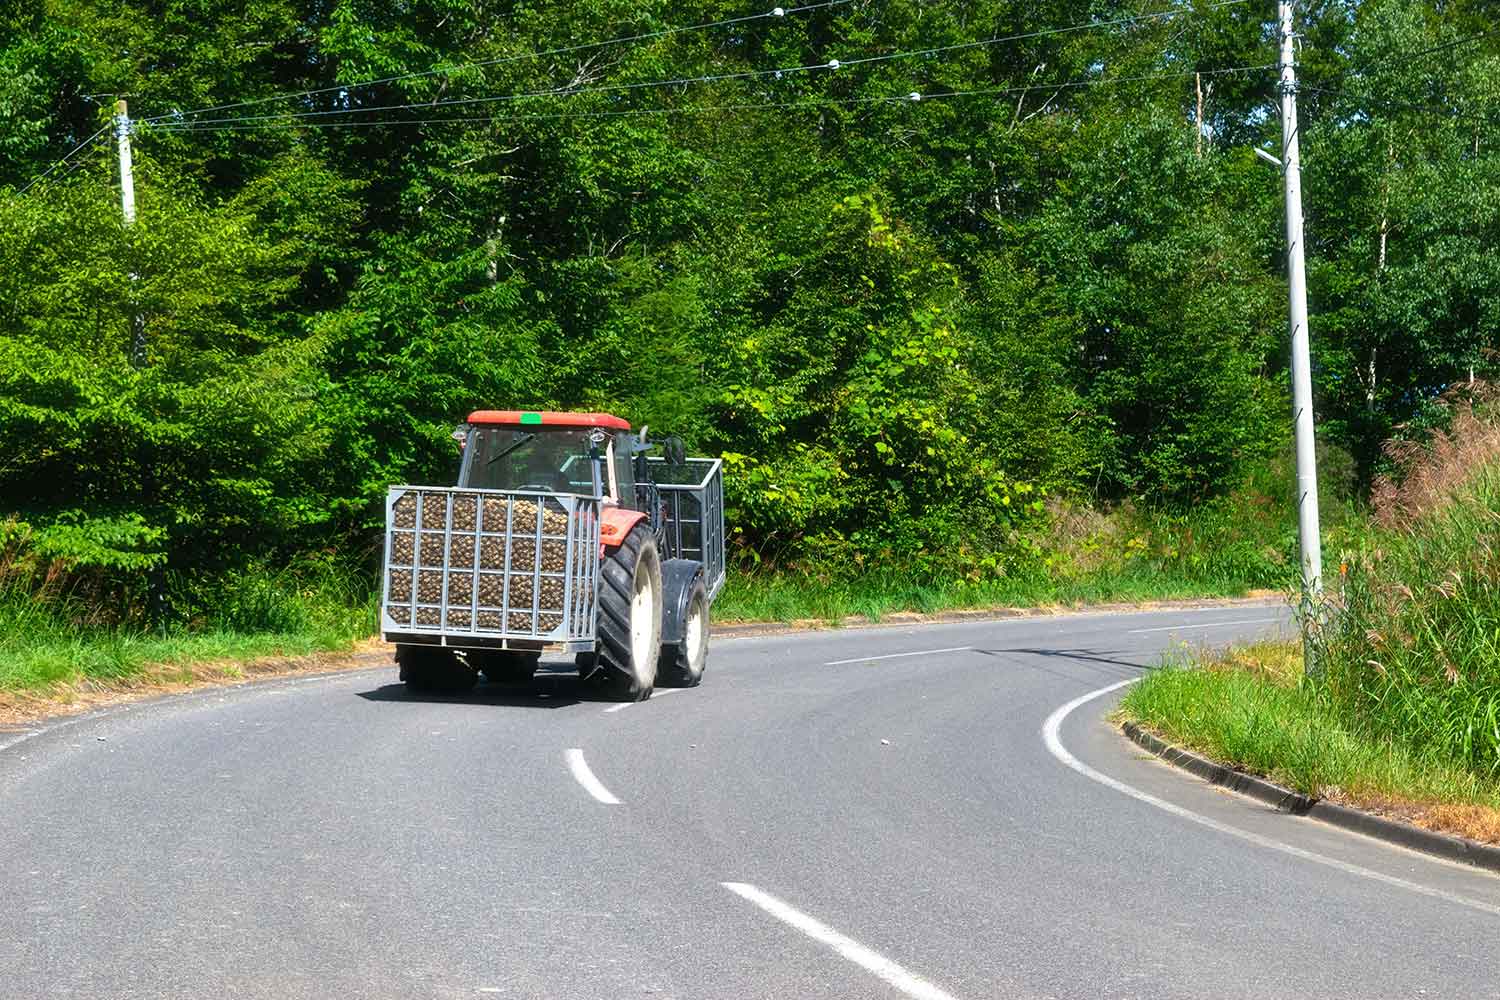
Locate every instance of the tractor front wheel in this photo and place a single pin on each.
(630, 608)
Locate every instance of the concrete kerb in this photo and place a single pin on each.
(1441, 845)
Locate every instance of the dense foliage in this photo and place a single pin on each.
(903, 323)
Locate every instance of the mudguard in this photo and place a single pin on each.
(615, 523)
(677, 579)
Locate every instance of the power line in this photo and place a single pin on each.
(832, 64)
(909, 98)
(1405, 105)
(1444, 46)
(774, 12)
(71, 153)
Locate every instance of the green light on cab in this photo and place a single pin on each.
(531, 418)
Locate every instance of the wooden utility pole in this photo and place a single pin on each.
(1198, 121)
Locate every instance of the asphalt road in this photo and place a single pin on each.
(925, 812)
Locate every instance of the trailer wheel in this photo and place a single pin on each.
(432, 669)
(505, 666)
(682, 662)
(630, 608)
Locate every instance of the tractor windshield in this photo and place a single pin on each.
(523, 458)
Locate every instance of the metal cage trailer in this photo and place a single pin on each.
(561, 535)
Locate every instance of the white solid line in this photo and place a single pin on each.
(910, 984)
(1179, 628)
(585, 777)
(1050, 730)
(896, 656)
(658, 693)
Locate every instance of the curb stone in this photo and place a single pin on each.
(1441, 845)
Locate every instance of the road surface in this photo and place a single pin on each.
(931, 812)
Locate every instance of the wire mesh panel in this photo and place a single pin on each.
(693, 497)
(490, 563)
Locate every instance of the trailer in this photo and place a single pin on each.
(562, 534)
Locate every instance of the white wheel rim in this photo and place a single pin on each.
(695, 637)
(642, 616)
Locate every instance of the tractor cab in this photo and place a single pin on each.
(588, 454)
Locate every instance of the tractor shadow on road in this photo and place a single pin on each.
(556, 685)
(1104, 662)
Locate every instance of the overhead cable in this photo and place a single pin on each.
(1442, 112)
(70, 154)
(774, 12)
(829, 65)
(910, 97)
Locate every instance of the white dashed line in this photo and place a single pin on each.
(896, 656)
(585, 777)
(1050, 736)
(909, 983)
(1179, 628)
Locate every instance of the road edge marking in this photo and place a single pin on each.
(897, 656)
(1180, 628)
(586, 778)
(909, 983)
(1050, 736)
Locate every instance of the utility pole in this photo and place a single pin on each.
(127, 209)
(155, 587)
(127, 177)
(1198, 121)
(1302, 409)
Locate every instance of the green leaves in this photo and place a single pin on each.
(906, 321)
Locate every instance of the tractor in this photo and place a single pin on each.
(565, 534)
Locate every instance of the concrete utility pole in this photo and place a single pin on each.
(127, 209)
(127, 177)
(1296, 271)
(155, 587)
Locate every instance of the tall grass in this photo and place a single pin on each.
(1412, 649)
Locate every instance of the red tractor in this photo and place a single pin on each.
(563, 533)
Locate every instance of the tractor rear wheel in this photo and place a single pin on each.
(682, 663)
(435, 670)
(630, 608)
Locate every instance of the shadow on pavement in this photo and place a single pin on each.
(556, 685)
(1105, 662)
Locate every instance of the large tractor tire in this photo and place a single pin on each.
(434, 670)
(682, 663)
(630, 609)
(503, 666)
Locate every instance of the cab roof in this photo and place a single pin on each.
(547, 418)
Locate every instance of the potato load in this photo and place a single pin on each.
(481, 554)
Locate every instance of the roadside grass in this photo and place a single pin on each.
(791, 596)
(1074, 555)
(52, 644)
(1250, 708)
